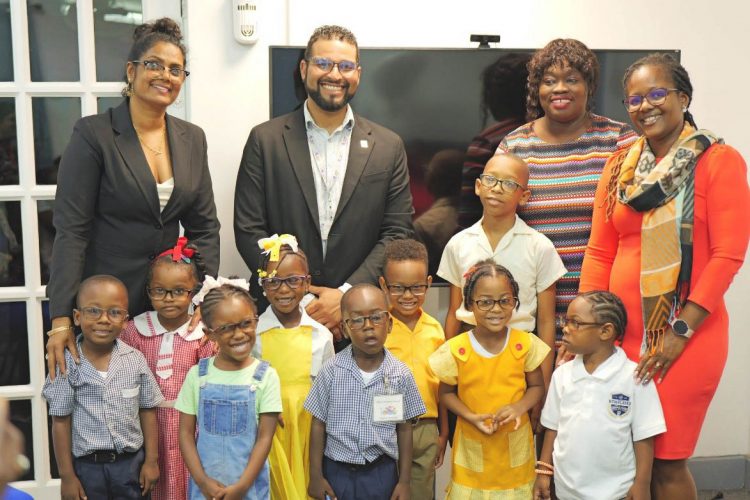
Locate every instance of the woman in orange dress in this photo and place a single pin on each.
(670, 230)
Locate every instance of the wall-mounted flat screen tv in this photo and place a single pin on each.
(437, 101)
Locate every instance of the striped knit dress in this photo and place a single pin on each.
(563, 179)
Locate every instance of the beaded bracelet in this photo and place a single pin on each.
(59, 329)
(544, 472)
(545, 464)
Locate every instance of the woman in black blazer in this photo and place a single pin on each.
(127, 180)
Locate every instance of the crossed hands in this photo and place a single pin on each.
(214, 490)
(488, 423)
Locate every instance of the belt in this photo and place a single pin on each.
(426, 420)
(364, 466)
(107, 456)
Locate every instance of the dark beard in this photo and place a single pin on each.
(317, 98)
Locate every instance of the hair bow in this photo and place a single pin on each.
(210, 283)
(272, 245)
(469, 272)
(179, 252)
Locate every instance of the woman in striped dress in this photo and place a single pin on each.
(565, 146)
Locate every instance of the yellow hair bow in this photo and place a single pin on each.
(272, 245)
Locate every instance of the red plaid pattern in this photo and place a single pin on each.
(173, 473)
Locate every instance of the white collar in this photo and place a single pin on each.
(154, 328)
(519, 227)
(269, 321)
(310, 121)
(611, 366)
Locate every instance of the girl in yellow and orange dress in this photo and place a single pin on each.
(296, 346)
(490, 377)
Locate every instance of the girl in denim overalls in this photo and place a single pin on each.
(233, 397)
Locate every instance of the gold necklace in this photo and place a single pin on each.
(157, 152)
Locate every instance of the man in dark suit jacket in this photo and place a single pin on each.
(335, 180)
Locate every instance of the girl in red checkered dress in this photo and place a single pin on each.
(170, 350)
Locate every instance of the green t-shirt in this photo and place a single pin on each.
(267, 393)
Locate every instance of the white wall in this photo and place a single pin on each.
(228, 95)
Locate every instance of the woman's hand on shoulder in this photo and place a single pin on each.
(56, 345)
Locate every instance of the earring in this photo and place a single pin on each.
(129, 89)
(684, 109)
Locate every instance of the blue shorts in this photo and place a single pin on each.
(111, 480)
(373, 481)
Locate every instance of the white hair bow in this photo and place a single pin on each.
(210, 283)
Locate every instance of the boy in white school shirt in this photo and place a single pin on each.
(601, 423)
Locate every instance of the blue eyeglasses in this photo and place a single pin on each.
(655, 97)
(327, 65)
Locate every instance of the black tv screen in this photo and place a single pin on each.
(433, 99)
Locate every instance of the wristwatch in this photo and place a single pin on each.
(681, 328)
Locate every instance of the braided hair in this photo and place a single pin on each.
(487, 268)
(197, 264)
(672, 67)
(284, 252)
(217, 295)
(607, 307)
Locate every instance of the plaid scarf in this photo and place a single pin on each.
(664, 192)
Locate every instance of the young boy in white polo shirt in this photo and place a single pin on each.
(502, 236)
(601, 424)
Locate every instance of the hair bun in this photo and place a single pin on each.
(165, 25)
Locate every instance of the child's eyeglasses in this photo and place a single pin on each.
(244, 325)
(115, 314)
(420, 289)
(292, 282)
(506, 185)
(488, 304)
(159, 293)
(574, 324)
(376, 318)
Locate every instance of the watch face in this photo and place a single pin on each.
(680, 327)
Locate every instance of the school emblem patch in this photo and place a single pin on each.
(619, 405)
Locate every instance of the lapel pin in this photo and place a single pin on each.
(363, 144)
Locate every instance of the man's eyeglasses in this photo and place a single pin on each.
(159, 293)
(292, 282)
(244, 325)
(157, 67)
(655, 97)
(115, 314)
(419, 289)
(506, 185)
(574, 324)
(376, 318)
(488, 304)
(325, 64)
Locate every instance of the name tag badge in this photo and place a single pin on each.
(388, 408)
(130, 393)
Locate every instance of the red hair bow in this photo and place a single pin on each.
(179, 252)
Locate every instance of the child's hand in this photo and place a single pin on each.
(234, 492)
(319, 488)
(541, 488)
(149, 476)
(211, 488)
(507, 414)
(485, 422)
(639, 491)
(442, 444)
(71, 489)
(401, 492)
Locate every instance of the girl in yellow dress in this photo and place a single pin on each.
(296, 346)
(490, 378)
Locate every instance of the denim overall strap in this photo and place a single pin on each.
(261, 370)
(227, 430)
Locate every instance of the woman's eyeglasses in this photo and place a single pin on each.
(157, 67)
(655, 97)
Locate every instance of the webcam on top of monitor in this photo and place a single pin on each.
(485, 40)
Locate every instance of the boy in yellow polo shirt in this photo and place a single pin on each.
(414, 337)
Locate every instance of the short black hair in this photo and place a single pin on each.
(359, 286)
(218, 294)
(481, 269)
(404, 249)
(96, 280)
(331, 32)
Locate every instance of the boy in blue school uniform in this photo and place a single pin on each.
(363, 403)
(104, 411)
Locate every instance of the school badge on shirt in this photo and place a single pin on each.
(619, 405)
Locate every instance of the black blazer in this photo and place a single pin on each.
(275, 193)
(107, 209)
